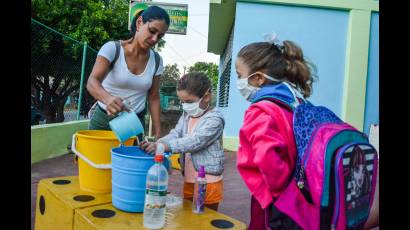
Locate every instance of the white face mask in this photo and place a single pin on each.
(193, 109)
(248, 91)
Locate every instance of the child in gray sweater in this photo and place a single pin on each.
(197, 137)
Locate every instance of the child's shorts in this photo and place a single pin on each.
(214, 192)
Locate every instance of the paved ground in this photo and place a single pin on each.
(236, 196)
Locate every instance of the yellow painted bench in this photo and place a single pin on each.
(58, 198)
(107, 217)
(62, 205)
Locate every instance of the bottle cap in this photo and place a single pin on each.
(201, 172)
(159, 158)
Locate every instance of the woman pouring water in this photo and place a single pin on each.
(134, 74)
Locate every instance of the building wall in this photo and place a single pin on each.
(372, 92)
(321, 33)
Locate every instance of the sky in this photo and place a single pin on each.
(185, 50)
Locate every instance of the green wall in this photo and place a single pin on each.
(48, 141)
(357, 54)
(231, 143)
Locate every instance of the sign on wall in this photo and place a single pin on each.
(178, 14)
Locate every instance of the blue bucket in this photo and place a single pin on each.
(129, 166)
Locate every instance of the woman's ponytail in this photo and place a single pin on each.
(133, 28)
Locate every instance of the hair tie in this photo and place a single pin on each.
(273, 39)
(140, 11)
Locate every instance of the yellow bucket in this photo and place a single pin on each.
(175, 161)
(93, 148)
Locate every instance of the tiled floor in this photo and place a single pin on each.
(236, 196)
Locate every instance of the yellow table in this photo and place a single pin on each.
(107, 217)
(57, 198)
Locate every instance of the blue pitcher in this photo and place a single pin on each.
(126, 125)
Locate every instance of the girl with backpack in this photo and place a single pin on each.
(267, 151)
(294, 187)
(132, 74)
(198, 137)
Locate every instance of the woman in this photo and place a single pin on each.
(133, 76)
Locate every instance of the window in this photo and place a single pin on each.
(224, 85)
(224, 79)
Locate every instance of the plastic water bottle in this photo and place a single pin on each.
(199, 192)
(156, 195)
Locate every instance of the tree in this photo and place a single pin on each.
(56, 59)
(209, 68)
(91, 21)
(169, 79)
(160, 45)
(170, 75)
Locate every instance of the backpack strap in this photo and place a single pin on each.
(156, 55)
(117, 53)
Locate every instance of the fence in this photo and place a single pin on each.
(60, 66)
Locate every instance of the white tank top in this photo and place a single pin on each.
(120, 82)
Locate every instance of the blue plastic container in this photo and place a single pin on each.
(129, 166)
(126, 125)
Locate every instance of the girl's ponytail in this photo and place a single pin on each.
(283, 61)
(298, 70)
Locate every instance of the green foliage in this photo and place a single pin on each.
(160, 45)
(92, 21)
(169, 79)
(56, 52)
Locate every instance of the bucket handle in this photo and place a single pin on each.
(98, 166)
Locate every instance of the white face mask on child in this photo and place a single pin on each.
(193, 109)
(248, 91)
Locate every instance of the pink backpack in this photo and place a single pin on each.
(334, 180)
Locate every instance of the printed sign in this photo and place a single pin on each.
(178, 14)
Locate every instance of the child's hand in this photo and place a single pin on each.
(152, 147)
(148, 147)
